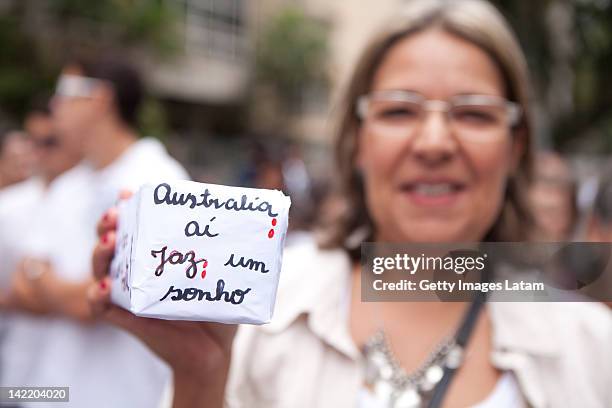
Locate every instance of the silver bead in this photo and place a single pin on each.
(408, 398)
(432, 376)
(383, 391)
(386, 372)
(454, 357)
(378, 358)
(371, 372)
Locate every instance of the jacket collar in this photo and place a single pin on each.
(314, 283)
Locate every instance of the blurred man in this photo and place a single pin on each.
(599, 229)
(97, 103)
(19, 202)
(553, 199)
(21, 210)
(16, 159)
(53, 154)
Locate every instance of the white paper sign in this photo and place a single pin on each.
(194, 251)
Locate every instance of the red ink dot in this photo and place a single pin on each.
(270, 233)
(204, 265)
(274, 222)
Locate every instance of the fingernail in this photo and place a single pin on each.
(105, 238)
(103, 284)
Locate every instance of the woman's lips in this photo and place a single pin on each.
(428, 193)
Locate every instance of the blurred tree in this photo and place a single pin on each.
(291, 55)
(36, 36)
(569, 48)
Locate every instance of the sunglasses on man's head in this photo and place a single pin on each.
(76, 86)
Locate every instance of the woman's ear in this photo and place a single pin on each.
(519, 147)
(104, 95)
(359, 161)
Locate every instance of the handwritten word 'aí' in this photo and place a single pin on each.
(163, 195)
(193, 228)
(177, 258)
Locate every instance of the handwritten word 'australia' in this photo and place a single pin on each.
(163, 195)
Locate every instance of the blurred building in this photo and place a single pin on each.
(207, 86)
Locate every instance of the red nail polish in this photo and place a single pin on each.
(102, 285)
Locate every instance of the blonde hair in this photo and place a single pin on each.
(479, 23)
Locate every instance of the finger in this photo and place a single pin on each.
(125, 194)
(103, 254)
(98, 296)
(5, 303)
(221, 332)
(108, 222)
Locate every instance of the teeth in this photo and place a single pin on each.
(434, 189)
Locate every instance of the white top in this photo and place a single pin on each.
(506, 394)
(102, 365)
(18, 215)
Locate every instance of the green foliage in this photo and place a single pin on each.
(22, 73)
(592, 93)
(291, 54)
(28, 66)
(134, 22)
(152, 119)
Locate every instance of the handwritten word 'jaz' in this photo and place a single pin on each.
(177, 258)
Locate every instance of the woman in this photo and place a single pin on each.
(433, 147)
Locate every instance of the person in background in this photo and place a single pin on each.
(552, 196)
(22, 208)
(97, 103)
(16, 158)
(599, 229)
(20, 203)
(433, 145)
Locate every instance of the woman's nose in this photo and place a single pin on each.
(434, 140)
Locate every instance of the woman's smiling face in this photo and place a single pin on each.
(428, 176)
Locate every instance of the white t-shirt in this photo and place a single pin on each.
(19, 205)
(102, 365)
(18, 215)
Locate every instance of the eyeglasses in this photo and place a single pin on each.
(478, 118)
(76, 86)
(47, 143)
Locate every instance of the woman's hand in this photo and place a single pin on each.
(198, 352)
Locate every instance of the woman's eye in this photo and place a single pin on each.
(478, 116)
(397, 112)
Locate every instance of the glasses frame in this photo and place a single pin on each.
(435, 105)
(76, 86)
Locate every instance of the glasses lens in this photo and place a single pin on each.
(392, 115)
(479, 122)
